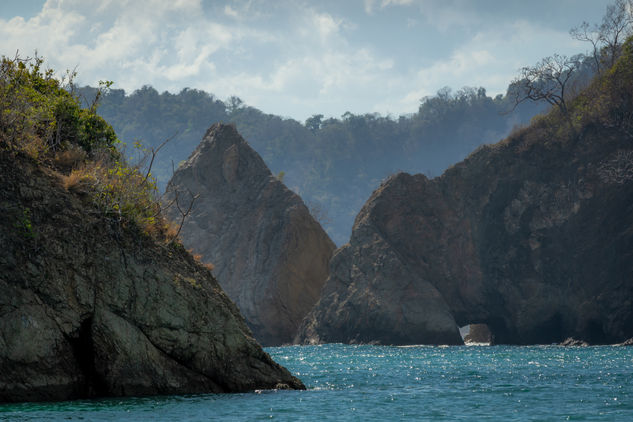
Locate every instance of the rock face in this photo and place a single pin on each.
(572, 342)
(532, 236)
(270, 255)
(478, 334)
(89, 308)
(373, 294)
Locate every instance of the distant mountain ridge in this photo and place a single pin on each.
(334, 164)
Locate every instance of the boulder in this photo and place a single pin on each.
(627, 342)
(478, 334)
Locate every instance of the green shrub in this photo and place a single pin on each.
(24, 224)
(35, 104)
(41, 117)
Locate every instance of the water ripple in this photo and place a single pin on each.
(397, 383)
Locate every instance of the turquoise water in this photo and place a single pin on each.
(398, 383)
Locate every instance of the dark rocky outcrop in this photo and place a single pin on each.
(270, 255)
(532, 236)
(373, 294)
(90, 308)
(478, 334)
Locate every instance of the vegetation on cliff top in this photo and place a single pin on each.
(568, 82)
(41, 117)
(607, 102)
(333, 163)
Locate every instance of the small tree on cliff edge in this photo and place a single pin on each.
(548, 81)
(606, 39)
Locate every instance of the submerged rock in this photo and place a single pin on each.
(570, 341)
(269, 254)
(89, 308)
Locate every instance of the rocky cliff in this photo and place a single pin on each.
(90, 308)
(270, 255)
(532, 236)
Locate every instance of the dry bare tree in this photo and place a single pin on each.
(547, 81)
(606, 39)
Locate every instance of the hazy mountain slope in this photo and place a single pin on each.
(334, 164)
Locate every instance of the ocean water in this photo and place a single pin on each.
(359, 383)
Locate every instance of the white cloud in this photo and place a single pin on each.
(326, 24)
(386, 3)
(287, 57)
(490, 59)
(130, 41)
(369, 4)
(318, 80)
(229, 11)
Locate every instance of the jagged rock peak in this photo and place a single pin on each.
(269, 253)
(235, 150)
(372, 295)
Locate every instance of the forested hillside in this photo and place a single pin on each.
(333, 163)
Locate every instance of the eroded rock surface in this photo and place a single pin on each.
(270, 255)
(478, 334)
(532, 236)
(89, 308)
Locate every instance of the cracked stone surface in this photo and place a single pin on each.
(531, 236)
(89, 308)
(270, 255)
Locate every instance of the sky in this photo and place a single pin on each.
(297, 58)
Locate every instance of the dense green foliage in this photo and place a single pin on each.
(37, 107)
(42, 118)
(334, 164)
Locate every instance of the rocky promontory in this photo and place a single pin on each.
(532, 236)
(269, 254)
(92, 308)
